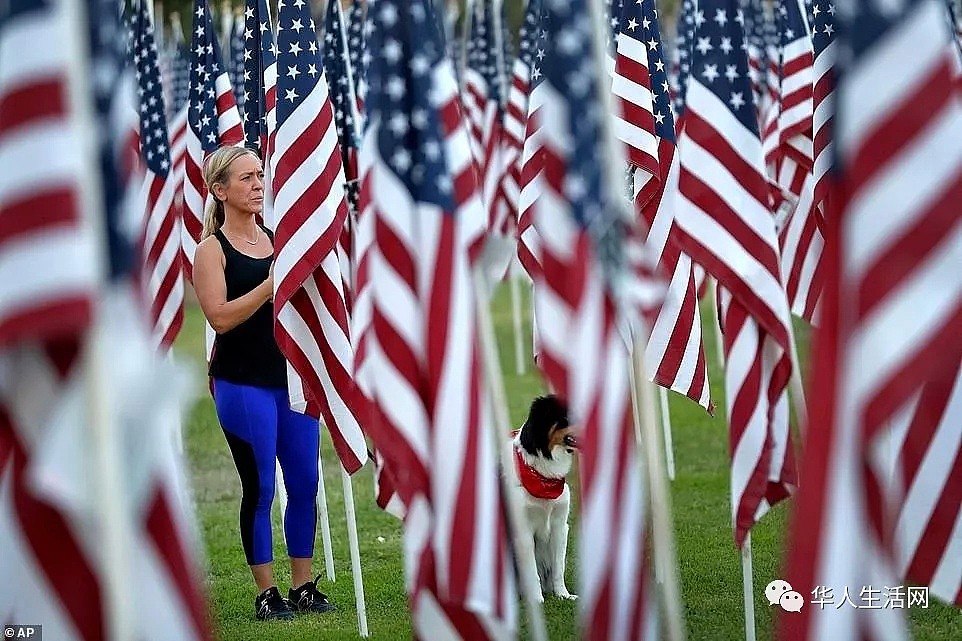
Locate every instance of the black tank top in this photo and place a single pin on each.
(248, 354)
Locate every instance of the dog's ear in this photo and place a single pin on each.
(545, 413)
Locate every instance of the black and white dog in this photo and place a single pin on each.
(543, 450)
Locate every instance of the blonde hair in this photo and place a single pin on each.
(217, 170)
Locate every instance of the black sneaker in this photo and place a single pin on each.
(308, 599)
(271, 606)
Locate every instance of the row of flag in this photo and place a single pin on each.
(769, 158)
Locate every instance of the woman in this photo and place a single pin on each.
(234, 280)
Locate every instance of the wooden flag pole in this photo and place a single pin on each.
(519, 533)
(355, 548)
(748, 584)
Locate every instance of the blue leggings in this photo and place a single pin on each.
(260, 426)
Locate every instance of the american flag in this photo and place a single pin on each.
(516, 111)
(724, 223)
(162, 274)
(929, 442)
(236, 57)
(681, 67)
(634, 117)
(801, 242)
(675, 355)
(357, 48)
(309, 205)
(419, 186)
(823, 39)
(180, 73)
(532, 158)
(48, 266)
(212, 121)
(344, 100)
(797, 81)
(755, 25)
(48, 510)
(803, 159)
(484, 86)
(584, 357)
(889, 345)
(260, 77)
(343, 94)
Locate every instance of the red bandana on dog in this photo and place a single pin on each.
(537, 485)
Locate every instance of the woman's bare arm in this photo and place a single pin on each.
(211, 288)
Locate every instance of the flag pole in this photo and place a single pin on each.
(158, 32)
(112, 508)
(352, 539)
(797, 387)
(748, 580)
(520, 364)
(643, 397)
(350, 514)
(666, 431)
(324, 515)
(519, 533)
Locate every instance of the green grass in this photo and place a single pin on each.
(709, 563)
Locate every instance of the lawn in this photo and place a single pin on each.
(709, 563)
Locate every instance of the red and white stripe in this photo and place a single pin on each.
(929, 475)
(513, 134)
(724, 224)
(675, 353)
(48, 266)
(801, 243)
(162, 276)
(889, 331)
(532, 170)
(230, 131)
(823, 113)
(312, 327)
(796, 86)
(422, 359)
(634, 119)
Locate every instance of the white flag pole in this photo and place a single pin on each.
(666, 431)
(797, 387)
(280, 491)
(325, 518)
(520, 534)
(352, 539)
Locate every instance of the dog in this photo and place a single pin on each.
(543, 451)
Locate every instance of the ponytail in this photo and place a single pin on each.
(213, 216)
